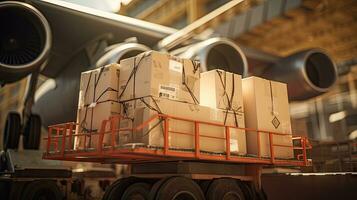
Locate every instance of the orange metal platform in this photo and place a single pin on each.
(60, 146)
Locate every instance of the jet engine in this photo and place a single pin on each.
(308, 73)
(25, 40)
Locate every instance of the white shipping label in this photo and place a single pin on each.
(234, 145)
(168, 92)
(175, 66)
(92, 105)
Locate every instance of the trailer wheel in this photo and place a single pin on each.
(5, 189)
(225, 189)
(155, 188)
(204, 184)
(137, 191)
(178, 188)
(32, 133)
(261, 195)
(248, 190)
(12, 131)
(117, 189)
(44, 190)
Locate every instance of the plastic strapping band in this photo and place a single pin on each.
(232, 96)
(100, 74)
(229, 99)
(188, 89)
(106, 90)
(196, 66)
(133, 72)
(157, 109)
(223, 82)
(155, 125)
(272, 98)
(90, 77)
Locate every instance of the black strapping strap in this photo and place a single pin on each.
(155, 108)
(109, 89)
(195, 100)
(271, 97)
(223, 81)
(133, 74)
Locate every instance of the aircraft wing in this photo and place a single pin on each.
(79, 25)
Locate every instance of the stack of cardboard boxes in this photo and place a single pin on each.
(157, 83)
(98, 99)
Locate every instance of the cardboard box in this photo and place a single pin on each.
(181, 132)
(267, 108)
(98, 100)
(99, 85)
(90, 121)
(220, 89)
(161, 75)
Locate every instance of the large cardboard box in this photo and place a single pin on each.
(98, 100)
(221, 89)
(266, 108)
(161, 75)
(181, 132)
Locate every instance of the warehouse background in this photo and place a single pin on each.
(277, 27)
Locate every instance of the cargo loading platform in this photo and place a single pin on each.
(60, 145)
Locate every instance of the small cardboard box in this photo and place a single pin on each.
(220, 89)
(161, 75)
(181, 133)
(266, 108)
(99, 85)
(98, 100)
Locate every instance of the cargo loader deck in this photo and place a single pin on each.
(60, 146)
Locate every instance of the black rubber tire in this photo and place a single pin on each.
(43, 189)
(224, 189)
(179, 188)
(117, 189)
(12, 131)
(248, 190)
(5, 188)
(155, 188)
(204, 184)
(32, 133)
(137, 191)
(261, 195)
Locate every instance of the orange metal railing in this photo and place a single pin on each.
(60, 143)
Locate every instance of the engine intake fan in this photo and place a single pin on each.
(25, 40)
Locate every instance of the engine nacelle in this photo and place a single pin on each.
(25, 40)
(217, 53)
(308, 73)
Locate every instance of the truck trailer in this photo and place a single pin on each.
(169, 173)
